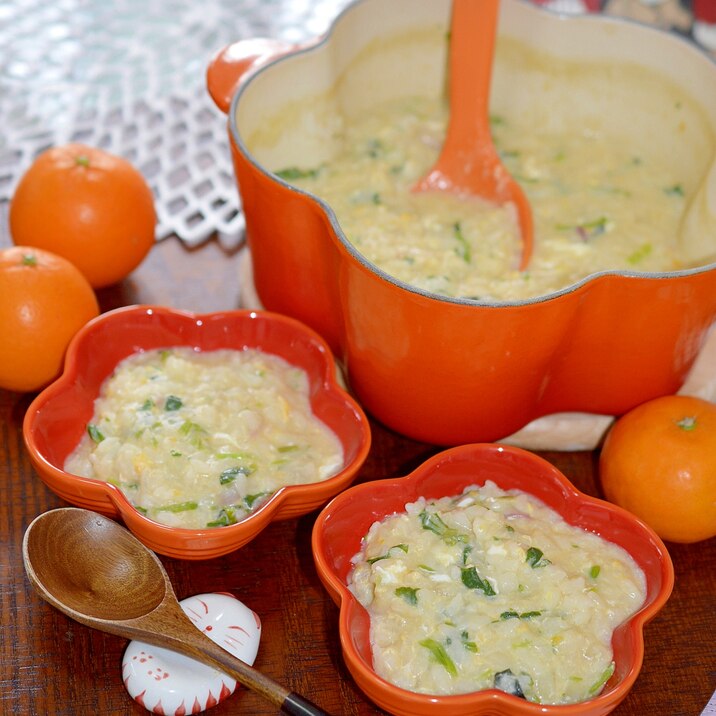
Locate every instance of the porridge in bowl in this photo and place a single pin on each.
(493, 589)
(200, 439)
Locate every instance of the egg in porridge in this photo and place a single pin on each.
(598, 204)
(201, 439)
(493, 589)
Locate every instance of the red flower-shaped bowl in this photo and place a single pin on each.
(346, 519)
(58, 417)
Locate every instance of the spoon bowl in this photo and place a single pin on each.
(96, 572)
(468, 161)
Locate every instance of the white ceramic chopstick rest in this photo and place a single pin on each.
(165, 682)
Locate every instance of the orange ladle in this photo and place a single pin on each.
(468, 162)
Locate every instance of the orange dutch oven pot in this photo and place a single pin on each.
(451, 371)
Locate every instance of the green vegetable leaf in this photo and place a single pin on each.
(194, 432)
(472, 580)
(433, 522)
(440, 655)
(288, 448)
(250, 500)
(291, 173)
(231, 473)
(403, 547)
(148, 404)
(594, 571)
(179, 507)
(675, 190)
(506, 681)
(512, 614)
(463, 248)
(535, 558)
(467, 644)
(410, 594)
(95, 433)
(172, 403)
(640, 254)
(226, 516)
(606, 675)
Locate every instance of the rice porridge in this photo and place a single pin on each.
(597, 204)
(493, 589)
(201, 439)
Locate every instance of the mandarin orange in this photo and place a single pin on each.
(44, 301)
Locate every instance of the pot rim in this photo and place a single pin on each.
(338, 233)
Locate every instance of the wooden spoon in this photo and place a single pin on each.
(99, 574)
(468, 162)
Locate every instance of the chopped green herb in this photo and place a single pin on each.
(250, 500)
(148, 404)
(175, 453)
(469, 645)
(426, 568)
(291, 173)
(466, 553)
(231, 473)
(496, 120)
(512, 614)
(506, 681)
(410, 594)
(193, 431)
(375, 148)
(463, 248)
(440, 655)
(675, 190)
(535, 558)
(288, 448)
(141, 510)
(472, 580)
(606, 675)
(172, 403)
(640, 254)
(433, 522)
(164, 354)
(226, 516)
(179, 507)
(594, 571)
(403, 547)
(95, 433)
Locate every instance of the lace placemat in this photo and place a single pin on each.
(128, 76)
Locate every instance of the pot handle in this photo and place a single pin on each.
(233, 63)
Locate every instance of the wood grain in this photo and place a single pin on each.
(50, 664)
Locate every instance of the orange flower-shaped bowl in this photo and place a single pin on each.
(342, 524)
(58, 417)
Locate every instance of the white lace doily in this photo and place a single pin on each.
(129, 76)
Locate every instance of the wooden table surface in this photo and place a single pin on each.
(52, 665)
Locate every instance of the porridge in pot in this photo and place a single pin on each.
(597, 205)
(493, 589)
(201, 439)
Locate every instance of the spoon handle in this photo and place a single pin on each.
(168, 626)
